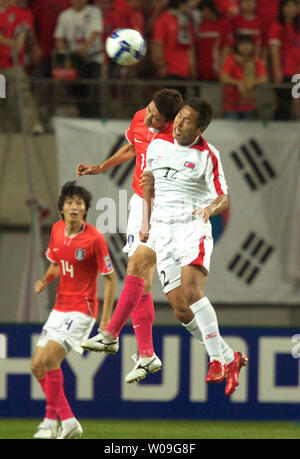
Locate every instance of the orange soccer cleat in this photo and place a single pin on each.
(216, 372)
(233, 371)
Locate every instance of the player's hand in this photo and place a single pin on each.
(39, 286)
(147, 179)
(203, 214)
(144, 233)
(86, 169)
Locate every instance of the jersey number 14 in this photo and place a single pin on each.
(66, 268)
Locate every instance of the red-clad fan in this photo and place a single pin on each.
(214, 41)
(228, 8)
(242, 72)
(78, 254)
(15, 27)
(15, 24)
(248, 22)
(173, 42)
(45, 13)
(284, 43)
(268, 11)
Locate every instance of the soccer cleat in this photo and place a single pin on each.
(101, 343)
(45, 431)
(69, 432)
(142, 367)
(233, 371)
(216, 372)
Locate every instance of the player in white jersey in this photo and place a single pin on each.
(189, 188)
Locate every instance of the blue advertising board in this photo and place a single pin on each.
(94, 383)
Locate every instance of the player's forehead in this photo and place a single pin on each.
(73, 198)
(154, 111)
(188, 112)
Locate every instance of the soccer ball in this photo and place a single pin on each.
(126, 46)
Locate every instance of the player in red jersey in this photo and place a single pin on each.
(78, 253)
(136, 298)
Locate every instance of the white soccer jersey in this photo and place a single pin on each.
(185, 177)
(77, 26)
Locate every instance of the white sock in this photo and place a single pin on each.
(228, 353)
(193, 328)
(68, 422)
(208, 324)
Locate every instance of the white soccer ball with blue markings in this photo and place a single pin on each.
(126, 46)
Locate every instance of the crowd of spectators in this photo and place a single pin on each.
(242, 43)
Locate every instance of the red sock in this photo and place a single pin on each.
(142, 320)
(64, 411)
(53, 389)
(129, 298)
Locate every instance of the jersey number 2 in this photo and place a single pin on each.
(66, 268)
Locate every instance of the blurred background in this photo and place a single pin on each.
(65, 102)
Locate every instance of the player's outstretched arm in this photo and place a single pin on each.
(52, 273)
(215, 208)
(148, 195)
(108, 301)
(121, 156)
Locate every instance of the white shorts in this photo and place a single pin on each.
(68, 329)
(179, 245)
(134, 226)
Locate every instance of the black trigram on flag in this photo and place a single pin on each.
(251, 161)
(251, 258)
(119, 259)
(119, 174)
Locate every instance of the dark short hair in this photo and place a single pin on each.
(204, 110)
(210, 5)
(243, 39)
(168, 102)
(69, 190)
(176, 3)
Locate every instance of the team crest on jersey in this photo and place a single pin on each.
(108, 262)
(189, 164)
(79, 254)
(130, 240)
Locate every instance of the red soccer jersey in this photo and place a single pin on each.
(289, 42)
(45, 13)
(12, 21)
(140, 136)
(212, 37)
(268, 11)
(250, 27)
(80, 259)
(228, 8)
(177, 41)
(233, 100)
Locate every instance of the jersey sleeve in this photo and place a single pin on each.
(102, 256)
(215, 174)
(96, 24)
(60, 26)
(50, 253)
(159, 30)
(149, 158)
(275, 35)
(130, 132)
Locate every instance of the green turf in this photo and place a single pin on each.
(108, 429)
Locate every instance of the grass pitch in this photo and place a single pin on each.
(159, 430)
